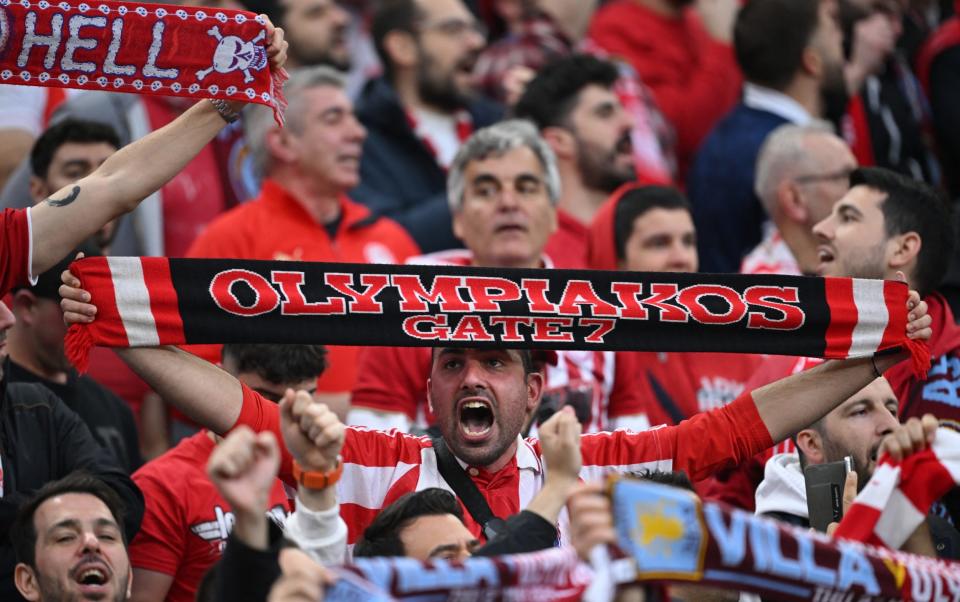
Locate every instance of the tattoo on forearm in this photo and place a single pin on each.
(65, 200)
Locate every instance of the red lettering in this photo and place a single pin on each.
(360, 303)
(295, 304)
(511, 326)
(471, 328)
(546, 330)
(633, 307)
(603, 328)
(266, 298)
(436, 327)
(445, 291)
(793, 317)
(481, 291)
(691, 297)
(537, 294)
(579, 293)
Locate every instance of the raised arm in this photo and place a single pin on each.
(73, 213)
(788, 405)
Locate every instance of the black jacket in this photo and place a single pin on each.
(107, 416)
(42, 440)
(399, 176)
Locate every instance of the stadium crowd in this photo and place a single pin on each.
(816, 138)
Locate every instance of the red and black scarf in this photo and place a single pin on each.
(159, 301)
(139, 48)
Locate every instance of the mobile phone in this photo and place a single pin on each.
(824, 483)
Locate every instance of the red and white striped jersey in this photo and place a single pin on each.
(771, 256)
(380, 466)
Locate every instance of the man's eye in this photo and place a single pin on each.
(452, 364)
(65, 538)
(494, 362)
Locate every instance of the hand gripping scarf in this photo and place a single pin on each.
(138, 48)
(899, 494)
(159, 301)
(667, 535)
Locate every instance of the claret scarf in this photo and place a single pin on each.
(667, 535)
(159, 301)
(139, 48)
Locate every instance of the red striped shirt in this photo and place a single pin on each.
(380, 466)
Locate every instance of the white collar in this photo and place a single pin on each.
(778, 103)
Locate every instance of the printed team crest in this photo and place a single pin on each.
(235, 54)
(661, 528)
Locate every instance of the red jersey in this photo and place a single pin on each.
(695, 79)
(567, 247)
(675, 386)
(15, 248)
(186, 522)
(276, 226)
(379, 466)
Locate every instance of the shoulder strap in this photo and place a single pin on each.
(466, 489)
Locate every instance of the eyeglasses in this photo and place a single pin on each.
(843, 174)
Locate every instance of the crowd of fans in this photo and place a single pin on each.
(790, 137)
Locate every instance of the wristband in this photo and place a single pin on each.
(315, 479)
(228, 114)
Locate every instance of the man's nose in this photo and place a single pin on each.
(90, 541)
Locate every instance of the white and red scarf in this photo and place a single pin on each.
(899, 494)
(139, 48)
(159, 301)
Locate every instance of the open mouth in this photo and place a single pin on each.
(625, 146)
(476, 418)
(92, 577)
(824, 255)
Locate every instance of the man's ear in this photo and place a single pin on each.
(811, 444)
(279, 144)
(561, 141)
(38, 189)
(906, 248)
(23, 302)
(810, 62)
(790, 203)
(130, 583)
(535, 382)
(402, 48)
(26, 581)
(430, 397)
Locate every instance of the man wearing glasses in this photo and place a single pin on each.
(419, 112)
(801, 172)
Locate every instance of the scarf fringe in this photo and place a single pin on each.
(78, 343)
(919, 357)
(277, 78)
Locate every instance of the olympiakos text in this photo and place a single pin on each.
(486, 308)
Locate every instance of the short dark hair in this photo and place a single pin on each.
(392, 15)
(23, 533)
(68, 130)
(635, 202)
(673, 478)
(769, 38)
(526, 359)
(382, 537)
(912, 206)
(278, 364)
(550, 97)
